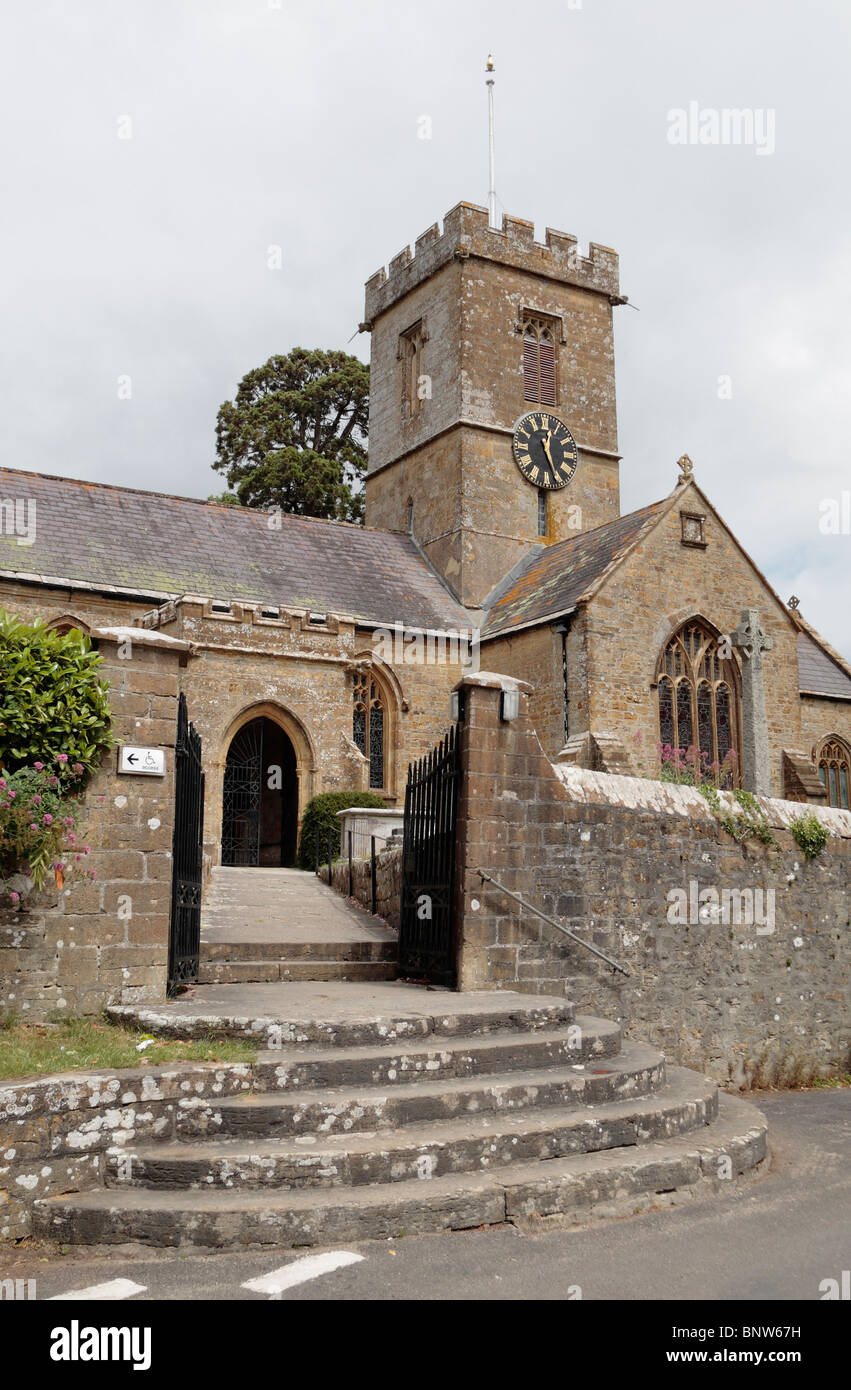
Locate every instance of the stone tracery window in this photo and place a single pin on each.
(368, 724)
(699, 703)
(833, 759)
(539, 360)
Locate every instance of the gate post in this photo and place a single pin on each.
(498, 751)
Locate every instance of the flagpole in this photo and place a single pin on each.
(492, 189)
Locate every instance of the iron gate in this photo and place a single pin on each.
(184, 940)
(243, 792)
(426, 948)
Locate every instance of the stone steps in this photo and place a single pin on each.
(340, 1015)
(238, 972)
(218, 949)
(379, 1107)
(420, 1149)
(335, 1109)
(586, 1039)
(616, 1182)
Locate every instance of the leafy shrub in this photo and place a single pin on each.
(321, 816)
(37, 824)
(809, 834)
(53, 705)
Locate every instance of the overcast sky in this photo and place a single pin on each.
(254, 124)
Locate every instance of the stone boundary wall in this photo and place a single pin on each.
(55, 1131)
(603, 854)
(388, 867)
(75, 950)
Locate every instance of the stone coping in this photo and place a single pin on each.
(671, 798)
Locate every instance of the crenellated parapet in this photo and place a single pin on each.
(466, 234)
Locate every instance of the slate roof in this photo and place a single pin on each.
(818, 673)
(160, 546)
(554, 578)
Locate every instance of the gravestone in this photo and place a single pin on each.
(752, 642)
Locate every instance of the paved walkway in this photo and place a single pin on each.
(283, 906)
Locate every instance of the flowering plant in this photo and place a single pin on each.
(693, 767)
(690, 767)
(37, 825)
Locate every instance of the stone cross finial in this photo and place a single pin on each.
(686, 468)
(751, 641)
(794, 601)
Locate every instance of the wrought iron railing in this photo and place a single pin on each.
(489, 878)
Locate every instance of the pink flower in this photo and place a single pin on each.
(39, 767)
(62, 757)
(12, 795)
(78, 768)
(69, 820)
(53, 781)
(59, 865)
(86, 849)
(33, 826)
(37, 800)
(2, 782)
(47, 819)
(16, 897)
(72, 839)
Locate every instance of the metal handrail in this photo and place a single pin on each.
(489, 878)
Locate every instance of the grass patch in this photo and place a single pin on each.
(86, 1044)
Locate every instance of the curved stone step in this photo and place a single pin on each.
(577, 1188)
(585, 1039)
(342, 1014)
(638, 1071)
(240, 972)
(430, 1149)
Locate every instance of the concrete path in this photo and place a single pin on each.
(282, 906)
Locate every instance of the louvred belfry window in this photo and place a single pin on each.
(699, 703)
(368, 724)
(539, 361)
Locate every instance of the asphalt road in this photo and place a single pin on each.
(777, 1239)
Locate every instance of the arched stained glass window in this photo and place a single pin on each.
(368, 724)
(833, 758)
(699, 705)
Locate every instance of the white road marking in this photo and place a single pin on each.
(112, 1289)
(299, 1271)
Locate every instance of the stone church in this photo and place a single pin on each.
(493, 535)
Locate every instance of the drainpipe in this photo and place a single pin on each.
(564, 628)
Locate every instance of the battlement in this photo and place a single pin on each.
(466, 234)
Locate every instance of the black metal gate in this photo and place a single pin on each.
(184, 940)
(426, 948)
(243, 792)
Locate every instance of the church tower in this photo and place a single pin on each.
(492, 423)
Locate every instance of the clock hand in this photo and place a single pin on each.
(546, 444)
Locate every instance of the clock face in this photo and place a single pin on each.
(545, 450)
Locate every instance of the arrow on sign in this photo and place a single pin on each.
(131, 758)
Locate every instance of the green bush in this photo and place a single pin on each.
(321, 816)
(53, 705)
(809, 834)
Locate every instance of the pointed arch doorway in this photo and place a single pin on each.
(260, 801)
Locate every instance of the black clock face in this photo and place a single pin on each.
(545, 450)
